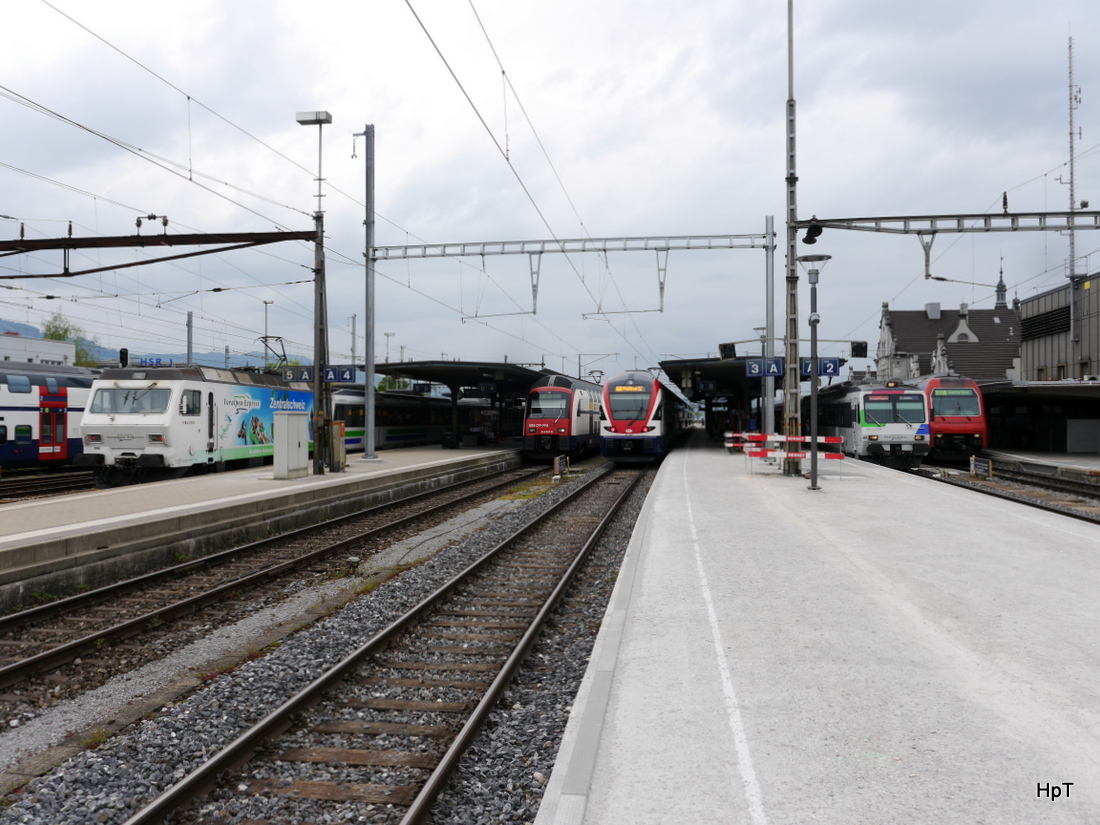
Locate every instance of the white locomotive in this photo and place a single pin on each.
(167, 422)
(884, 423)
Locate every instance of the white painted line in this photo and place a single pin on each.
(741, 743)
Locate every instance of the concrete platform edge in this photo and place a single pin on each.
(34, 565)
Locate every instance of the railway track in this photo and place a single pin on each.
(23, 486)
(375, 737)
(94, 627)
(1077, 499)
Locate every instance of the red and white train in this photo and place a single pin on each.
(561, 417)
(640, 418)
(40, 410)
(957, 421)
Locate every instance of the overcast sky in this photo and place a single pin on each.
(526, 121)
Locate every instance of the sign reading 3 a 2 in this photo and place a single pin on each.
(825, 367)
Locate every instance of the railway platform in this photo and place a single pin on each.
(885, 649)
(51, 544)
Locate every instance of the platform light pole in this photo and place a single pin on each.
(368, 326)
(320, 327)
(814, 264)
(762, 334)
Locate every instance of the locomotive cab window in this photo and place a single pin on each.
(548, 404)
(955, 402)
(129, 401)
(191, 403)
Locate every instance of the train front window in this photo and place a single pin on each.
(629, 405)
(883, 409)
(910, 409)
(119, 401)
(549, 404)
(955, 402)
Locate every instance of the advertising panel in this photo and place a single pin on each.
(248, 418)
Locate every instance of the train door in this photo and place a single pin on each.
(211, 423)
(52, 430)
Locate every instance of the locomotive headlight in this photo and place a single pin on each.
(872, 438)
(918, 438)
(156, 438)
(561, 429)
(93, 438)
(532, 430)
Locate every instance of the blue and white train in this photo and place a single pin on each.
(40, 410)
(640, 418)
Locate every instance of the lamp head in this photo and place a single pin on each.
(313, 118)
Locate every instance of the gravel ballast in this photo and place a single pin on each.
(500, 780)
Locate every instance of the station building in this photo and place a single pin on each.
(21, 349)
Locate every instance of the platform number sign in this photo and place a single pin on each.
(764, 368)
(826, 367)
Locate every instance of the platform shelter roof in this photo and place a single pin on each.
(470, 378)
(702, 378)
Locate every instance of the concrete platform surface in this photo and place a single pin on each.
(885, 650)
(35, 520)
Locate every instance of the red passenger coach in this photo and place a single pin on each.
(561, 417)
(957, 418)
(640, 418)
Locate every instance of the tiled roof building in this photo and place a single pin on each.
(982, 344)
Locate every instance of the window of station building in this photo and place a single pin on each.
(23, 434)
(1041, 374)
(1062, 372)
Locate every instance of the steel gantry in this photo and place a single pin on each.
(660, 245)
(926, 227)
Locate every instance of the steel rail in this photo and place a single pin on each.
(57, 656)
(421, 806)
(240, 750)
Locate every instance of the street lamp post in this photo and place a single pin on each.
(765, 389)
(320, 326)
(368, 354)
(814, 264)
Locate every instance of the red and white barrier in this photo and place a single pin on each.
(783, 455)
(800, 439)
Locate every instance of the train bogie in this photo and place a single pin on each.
(561, 417)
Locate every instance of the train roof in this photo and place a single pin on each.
(564, 382)
(198, 373)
